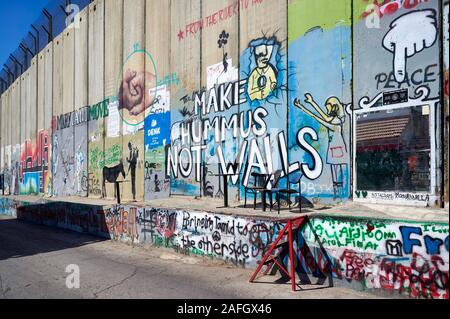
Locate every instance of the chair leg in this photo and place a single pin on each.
(279, 205)
(300, 196)
(245, 199)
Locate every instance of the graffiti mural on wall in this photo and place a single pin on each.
(397, 90)
(381, 8)
(337, 153)
(157, 139)
(70, 149)
(395, 257)
(72, 216)
(402, 47)
(121, 223)
(96, 154)
(15, 169)
(7, 176)
(320, 93)
(217, 74)
(407, 258)
(157, 226)
(263, 81)
(262, 87)
(111, 175)
(238, 240)
(138, 97)
(8, 207)
(446, 58)
(36, 165)
(80, 158)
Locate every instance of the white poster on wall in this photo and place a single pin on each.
(216, 74)
(113, 129)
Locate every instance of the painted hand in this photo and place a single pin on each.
(298, 104)
(135, 91)
(309, 98)
(398, 41)
(127, 94)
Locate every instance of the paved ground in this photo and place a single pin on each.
(33, 260)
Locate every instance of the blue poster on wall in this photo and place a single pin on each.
(157, 123)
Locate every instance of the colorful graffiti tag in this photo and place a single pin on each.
(35, 165)
(405, 258)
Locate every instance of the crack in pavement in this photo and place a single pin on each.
(117, 284)
(4, 292)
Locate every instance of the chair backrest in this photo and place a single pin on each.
(275, 178)
(296, 177)
(259, 180)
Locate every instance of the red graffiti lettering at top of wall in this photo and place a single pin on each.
(389, 7)
(216, 17)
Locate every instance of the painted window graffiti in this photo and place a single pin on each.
(393, 150)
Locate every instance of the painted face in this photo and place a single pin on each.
(334, 108)
(263, 54)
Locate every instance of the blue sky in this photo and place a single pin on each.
(16, 16)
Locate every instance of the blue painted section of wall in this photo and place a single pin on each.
(310, 74)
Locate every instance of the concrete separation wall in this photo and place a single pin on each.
(235, 86)
(399, 258)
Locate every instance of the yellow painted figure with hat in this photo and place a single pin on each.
(263, 79)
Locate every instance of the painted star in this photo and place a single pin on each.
(180, 35)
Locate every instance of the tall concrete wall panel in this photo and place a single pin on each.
(66, 130)
(48, 91)
(185, 60)
(315, 86)
(80, 117)
(23, 131)
(157, 116)
(263, 72)
(96, 125)
(58, 155)
(2, 147)
(113, 67)
(397, 78)
(15, 136)
(33, 99)
(6, 141)
(44, 142)
(8, 150)
(446, 91)
(41, 90)
(133, 114)
(220, 67)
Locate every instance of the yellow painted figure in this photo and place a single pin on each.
(263, 79)
(333, 120)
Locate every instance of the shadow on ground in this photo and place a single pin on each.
(37, 239)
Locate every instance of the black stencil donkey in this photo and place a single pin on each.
(110, 175)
